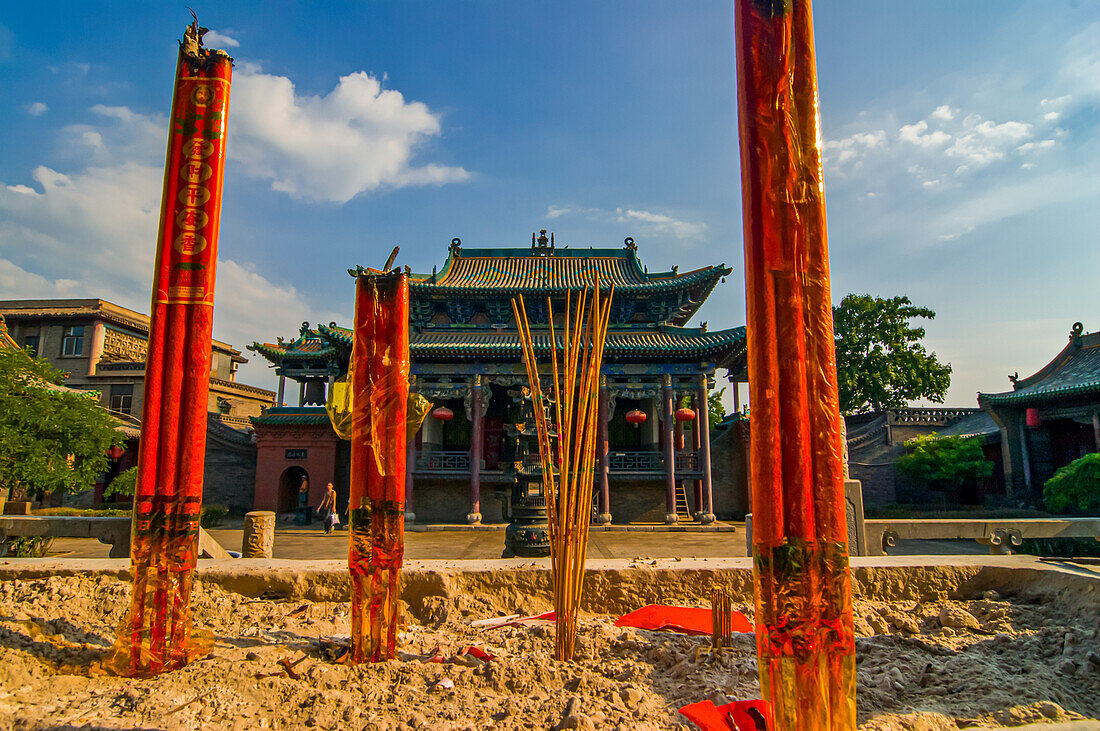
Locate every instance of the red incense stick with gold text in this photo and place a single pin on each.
(380, 383)
(803, 584)
(157, 635)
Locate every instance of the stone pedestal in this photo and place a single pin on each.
(259, 534)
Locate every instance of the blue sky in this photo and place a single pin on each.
(962, 155)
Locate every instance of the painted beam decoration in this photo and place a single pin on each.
(803, 585)
(157, 634)
(379, 377)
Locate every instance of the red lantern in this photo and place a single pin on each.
(115, 452)
(1033, 418)
(443, 414)
(685, 414)
(635, 417)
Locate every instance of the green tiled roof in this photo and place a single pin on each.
(685, 342)
(1074, 372)
(293, 415)
(508, 271)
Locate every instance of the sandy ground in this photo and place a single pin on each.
(999, 662)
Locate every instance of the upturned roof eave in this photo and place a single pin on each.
(1027, 397)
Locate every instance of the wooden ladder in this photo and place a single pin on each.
(683, 507)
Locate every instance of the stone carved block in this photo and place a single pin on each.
(259, 534)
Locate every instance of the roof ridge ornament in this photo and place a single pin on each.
(1075, 334)
(542, 246)
(628, 242)
(456, 246)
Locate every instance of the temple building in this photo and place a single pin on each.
(466, 359)
(1050, 418)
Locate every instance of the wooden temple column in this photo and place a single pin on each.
(282, 390)
(301, 393)
(410, 465)
(669, 448)
(702, 428)
(476, 444)
(603, 455)
(697, 484)
(1096, 429)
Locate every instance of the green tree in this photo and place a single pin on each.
(124, 484)
(879, 357)
(715, 408)
(51, 439)
(1075, 488)
(953, 465)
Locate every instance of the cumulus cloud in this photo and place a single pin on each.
(37, 109)
(945, 143)
(647, 222)
(91, 232)
(944, 112)
(918, 134)
(214, 39)
(660, 223)
(357, 138)
(852, 147)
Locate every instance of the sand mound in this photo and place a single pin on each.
(940, 664)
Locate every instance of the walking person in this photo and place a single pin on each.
(327, 509)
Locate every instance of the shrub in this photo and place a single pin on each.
(212, 515)
(30, 546)
(1075, 488)
(88, 512)
(1067, 547)
(953, 465)
(125, 483)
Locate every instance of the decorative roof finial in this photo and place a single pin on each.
(629, 243)
(1075, 333)
(1013, 378)
(542, 246)
(456, 245)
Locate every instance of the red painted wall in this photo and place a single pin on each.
(272, 441)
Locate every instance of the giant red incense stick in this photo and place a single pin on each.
(803, 586)
(380, 387)
(157, 635)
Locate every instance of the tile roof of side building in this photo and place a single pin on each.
(1074, 372)
(98, 308)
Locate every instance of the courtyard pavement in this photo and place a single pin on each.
(307, 543)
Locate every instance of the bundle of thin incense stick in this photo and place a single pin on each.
(568, 461)
(721, 608)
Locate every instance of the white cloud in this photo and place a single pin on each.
(1036, 146)
(852, 147)
(37, 109)
(1056, 103)
(557, 211)
(918, 135)
(91, 232)
(1052, 116)
(660, 223)
(983, 142)
(357, 138)
(214, 39)
(944, 112)
(648, 222)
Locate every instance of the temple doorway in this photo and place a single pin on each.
(290, 484)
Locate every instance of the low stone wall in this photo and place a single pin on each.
(616, 586)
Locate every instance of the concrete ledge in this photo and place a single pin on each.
(113, 531)
(643, 528)
(615, 586)
(1001, 535)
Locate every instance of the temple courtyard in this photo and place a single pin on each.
(942, 643)
(725, 540)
